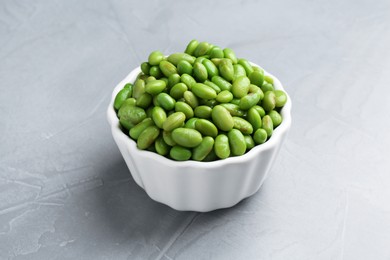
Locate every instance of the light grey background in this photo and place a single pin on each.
(65, 192)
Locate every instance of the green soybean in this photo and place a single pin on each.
(201, 49)
(222, 118)
(167, 136)
(276, 118)
(203, 111)
(187, 137)
(224, 96)
(247, 66)
(166, 101)
(185, 108)
(269, 101)
(140, 127)
(179, 153)
(200, 152)
(260, 136)
(167, 68)
(175, 58)
(200, 72)
(211, 156)
(269, 79)
(191, 47)
(221, 83)
(203, 91)
(267, 87)
(191, 99)
(250, 100)
(226, 69)
(212, 70)
(233, 109)
(144, 100)
(121, 97)
(244, 126)
(159, 116)
(145, 67)
(221, 146)
(173, 121)
(155, 87)
(250, 143)
(280, 98)
(260, 110)
(206, 127)
(139, 88)
(188, 80)
(191, 123)
(267, 125)
(155, 58)
(256, 78)
(173, 80)
(155, 71)
(237, 142)
(254, 118)
(184, 67)
(147, 137)
(128, 102)
(161, 146)
(240, 87)
(131, 115)
(212, 85)
(177, 91)
(229, 54)
(216, 52)
(239, 71)
(148, 79)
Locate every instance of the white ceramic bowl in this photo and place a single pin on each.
(198, 186)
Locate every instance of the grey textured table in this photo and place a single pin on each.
(66, 193)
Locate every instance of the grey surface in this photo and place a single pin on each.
(65, 192)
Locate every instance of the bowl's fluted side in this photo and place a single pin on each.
(199, 186)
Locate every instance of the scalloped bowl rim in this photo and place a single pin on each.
(270, 143)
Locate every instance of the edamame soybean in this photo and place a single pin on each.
(203, 149)
(187, 137)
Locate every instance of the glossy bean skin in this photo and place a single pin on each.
(191, 47)
(201, 49)
(175, 58)
(144, 100)
(188, 80)
(136, 131)
(254, 118)
(191, 123)
(256, 78)
(233, 109)
(155, 71)
(145, 67)
(250, 143)
(173, 80)
(185, 108)
(269, 101)
(240, 87)
(147, 137)
(239, 71)
(167, 136)
(203, 91)
(155, 87)
(212, 70)
(174, 121)
(260, 110)
(267, 125)
(221, 83)
(280, 98)
(131, 116)
(139, 88)
(224, 96)
(222, 118)
(155, 58)
(229, 54)
(128, 102)
(187, 137)
(222, 147)
(216, 52)
(161, 146)
(244, 126)
(203, 111)
(180, 153)
(212, 85)
(237, 142)
(267, 87)
(260, 136)
(191, 99)
(122, 95)
(226, 69)
(250, 100)
(200, 72)
(200, 152)
(159, 116)
(206, 127)
(275, 117)
(166, 101)
(177, 91)
(247, 66)
(184, 67)
(167, 68)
